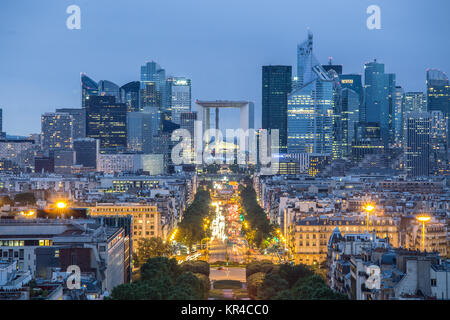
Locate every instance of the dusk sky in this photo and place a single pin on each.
(220, 45)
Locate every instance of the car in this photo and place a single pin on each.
(220, 268)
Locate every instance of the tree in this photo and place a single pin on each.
(152, 247)
(163, 279)
(254, 283)
(196, 267)
(271, 286)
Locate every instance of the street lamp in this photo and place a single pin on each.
(423, 219)
(61, 205)
(368, 208)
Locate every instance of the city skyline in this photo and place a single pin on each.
(234, 77)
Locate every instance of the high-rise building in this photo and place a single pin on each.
(349, 119)
(86, 151)
(139, 131)
(130, 95)
(379, 91)
(88, 88)
(415, 102)
(397, 114)
(63, 161)
(354, 82)
(438, 144)
(179, 93)
(417, 143)
(152, 72)
(367, 141)
(310, 106)
(438, 93)
(79, 121)
(187, 122)
(106, 120)
(276, 86)
(330, 66)
(56, 129)
(108, 88)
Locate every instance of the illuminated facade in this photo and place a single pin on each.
(309, 236)
(56, 131)
(310, 107)
(88, 88)
(417, 143)
(146, 219)
(179, 92)
(106, 121)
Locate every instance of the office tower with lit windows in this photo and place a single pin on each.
(378, 102)
(397, 122)
(106, 120)
(152, 72)
(417, 143)
(354, 83)
(276, 86)
(438, 144)
(367, 141)
(179, 93)
(56, 130)
(438, 93)
(349, 119)
(79, 121)
(88, 88)
(415, 102)
(130, 95)
(108, 88)
(310, 106)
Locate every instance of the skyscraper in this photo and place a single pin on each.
(349, 119)
(152, 72)
(330, 66)
(108, 88)
(88, 88)
(417, 145)
(415, 102)
(438, 144)
(379, 90)
(179, 93)
(397, 114)
(354, 82)
(139, 131)
(56, 129)
(79, 121)
(310, 106)
(130, 95)
(276, 86)
(438, 93)
(106, 121)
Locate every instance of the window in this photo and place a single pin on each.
(433, 282)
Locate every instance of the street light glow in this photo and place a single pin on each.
(61, 205)
(424, 218)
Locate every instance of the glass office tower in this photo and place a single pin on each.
(106, 120)
(179, 92)
(88, 88)
(310, 106)
(438, 92)
(379, 91)
(276, 86)
(130, 95)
